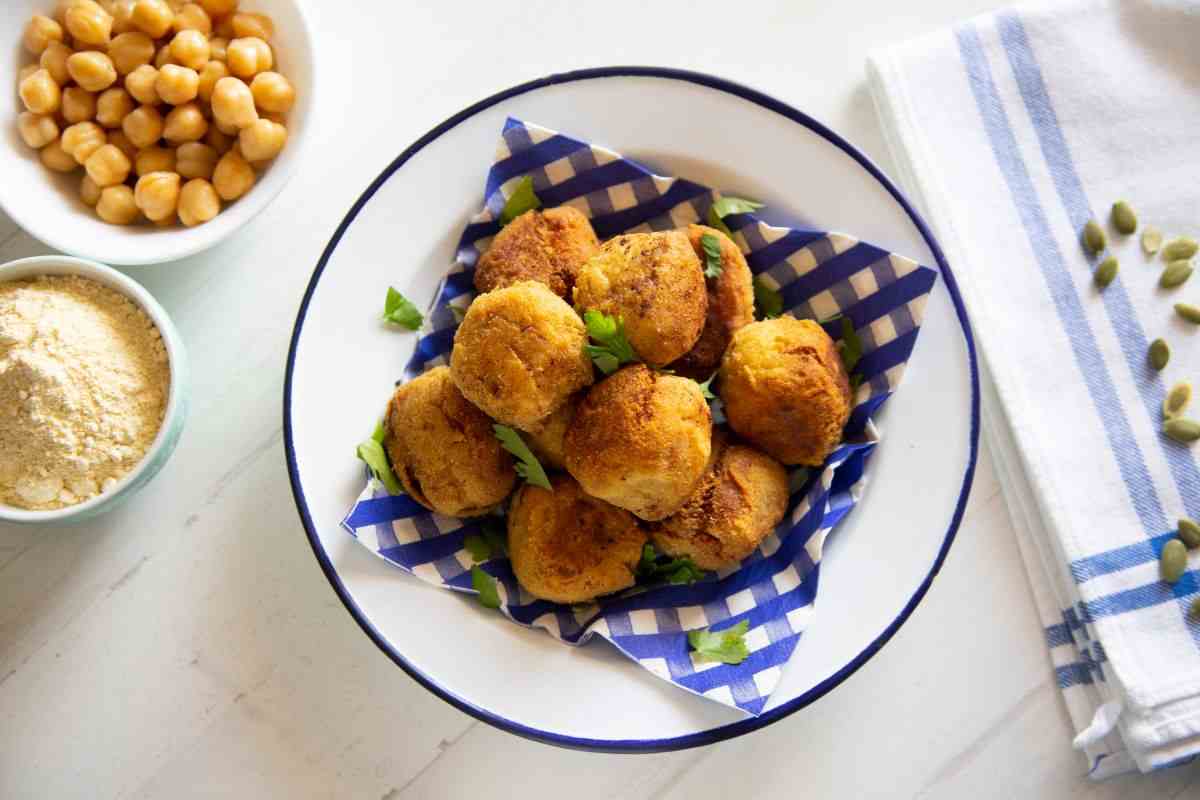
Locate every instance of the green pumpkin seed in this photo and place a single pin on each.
(1189, 532)
(1180, 249)
(1189, 312)
(1173, 562)
(1151, 240)
(1176, 274)
(1160, 354)
(1123, 218)
(1182, 430)
(1093, 237)
(1177, 400)
(1106, 272)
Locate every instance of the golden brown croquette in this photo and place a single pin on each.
(640, 440)
(546, 441)
(443, 450)
(518, 354)
(545, 246)
(653, 281)
(785, 389)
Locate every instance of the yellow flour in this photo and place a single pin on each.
(84, 380)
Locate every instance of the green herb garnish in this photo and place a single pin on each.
(850, 346)
(495, 533)
(768, 302)
(675, 570)
(712, 256)
(478, 547)
(375, 457)
(727, 646)
(399, 310)
(734, 205)
(706, 388)
(521, 200)
(528, 467)
(715, 221)
(612, 347)
(485, 584)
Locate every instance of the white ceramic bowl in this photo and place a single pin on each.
(47, 204)
(177, 401)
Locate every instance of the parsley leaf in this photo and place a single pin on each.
(478, 547)
(715, 221)
(495, 533)
(528, 467)
(399, 310)
(850, 346)
(612, 348)
(734, 205)
(521, 200)
(706, 388)
(375, 457)
(712, 256)
(655, 568)
(768, 302)
(727, 646)
(485, 584)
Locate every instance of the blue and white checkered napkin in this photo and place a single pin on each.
(1013, 131)
(819, 276)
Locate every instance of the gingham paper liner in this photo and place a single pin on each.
(819, 275)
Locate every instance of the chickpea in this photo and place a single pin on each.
(213, 71)
(157, 194)
(130, 51)
(228, 130)
(37, 130)
(177, 85)
(40, 32)
(153, 17)
(193, 18)
(82, 139)
(262, 141)
(88, 23)
(185, 123)
(248, 56)
(89, 192)
(195, 160)
(41, 94)
(259, 25)
(116, 205)
(217, 140)
(233, 176)
(233, 104)
(154, 159)
(24, 72)
(190, 48)
(91, 70)
(55, 158)
(164, 57)
(217, 48)
(54, 60)
(143, 126)
(78, 105)
(122, 14)
(141, 84)
(272, 92)
(108, 166)
(198, 202)
(119, 140)
(218, 8)
(112, 106)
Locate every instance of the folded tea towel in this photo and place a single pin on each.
(1012, 131)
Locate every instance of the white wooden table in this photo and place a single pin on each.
(187, 645)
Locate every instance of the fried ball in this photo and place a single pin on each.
(740, 499)
(546, 441)
(443, 450)
(640, 440)
(655, 282)
(518, 354)
(730, 305)
(567, 547)
(785, 389)
(545, 246)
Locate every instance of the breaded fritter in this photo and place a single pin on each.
(518, 354)
(785, 389)
(653, 281)
(730, 305)
(443, 450)
(546, 440)
(567, 547)
(640, 440)
(544, 246)
(741, 498)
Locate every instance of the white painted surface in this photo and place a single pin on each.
(188, 646)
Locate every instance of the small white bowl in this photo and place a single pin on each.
(47, 204)
(177, 401)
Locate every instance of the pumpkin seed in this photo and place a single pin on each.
(1151, 240)
(1106, 272)
(1173, 562)
(1189, 312)
(1093, 237)
(1189, 532)
(1123, 218)
(1160, 354)
(1182, 430)
(1177, 400)
(1176, 274)
(1179, 249)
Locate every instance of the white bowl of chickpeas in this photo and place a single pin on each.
(143, 131)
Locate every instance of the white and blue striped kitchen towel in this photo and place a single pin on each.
(1012, 131)
(819, 275)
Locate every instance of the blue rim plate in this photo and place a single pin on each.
(950, 471)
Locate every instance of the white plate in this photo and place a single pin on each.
(402, 232)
